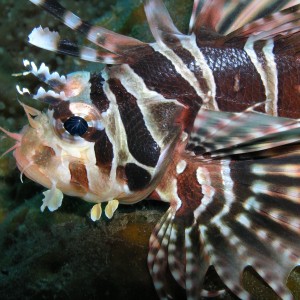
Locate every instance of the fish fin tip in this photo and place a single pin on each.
(52, 199)
(160, 22)
(96, 212)
(116, 45)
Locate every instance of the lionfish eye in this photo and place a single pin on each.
(76, 125)
(76, 122)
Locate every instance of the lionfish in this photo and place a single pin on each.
(206, 121)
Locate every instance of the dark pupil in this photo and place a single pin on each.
(76, 125)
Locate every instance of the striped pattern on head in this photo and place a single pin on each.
(106, 115)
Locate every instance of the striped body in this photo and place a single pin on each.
(226, 78)
(205, 121)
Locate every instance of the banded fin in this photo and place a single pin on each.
(245, 207)
(73, 87)
(223, 133)
(100, 36)
(275, 26)
(250, 217)
(50, 97)
(52, 79)
(206, 14)
(51, 40)
(226, 16)
(157, 257)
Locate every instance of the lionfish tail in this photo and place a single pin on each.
(235, 204)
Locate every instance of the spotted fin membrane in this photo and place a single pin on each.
(218, 110)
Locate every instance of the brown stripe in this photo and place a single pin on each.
(288, 66)
(140, 141)
(137, 177)
(43, 155)
(97, 94)
(160, 75)
(103, 150)
(79, 178)
(228, 65)
(62, 111)
(190, 193)
(190, 61)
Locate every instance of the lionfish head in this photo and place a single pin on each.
(80, 147)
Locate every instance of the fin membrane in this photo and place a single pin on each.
(223, 133)
(226, 16)
(239, 205)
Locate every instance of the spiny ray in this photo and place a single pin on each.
(160, 22)
(158, 256)
(51, 40)
(98, 35)
(236, 133)
(271, 25)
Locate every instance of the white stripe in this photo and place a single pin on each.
(88, 54)
(229, 196)
(114, 127)
(72, 20)
(289, 170)
(249, 48)
(209, 98)
(272, 74)
(180, 167)
(44, 38)
(269, 77)
(180, 67)
(135, 84)
(203, 178)
(146, 99)
(37, 2)
(170, 193)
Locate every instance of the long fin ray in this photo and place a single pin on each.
(176, 255)
(225, 17)
(209, 15)
(160, 22)
(100, 36)
(197, 6)
(224, 133)
(197, 264)
(276, 25)
(51, 40)
(249, 221)
(158, 253)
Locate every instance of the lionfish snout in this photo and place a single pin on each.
(57, 151)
